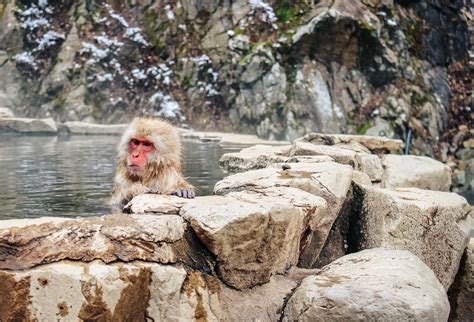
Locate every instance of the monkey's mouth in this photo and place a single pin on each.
(134, 168)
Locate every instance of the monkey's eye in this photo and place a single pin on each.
(147, 144)
(134, 142)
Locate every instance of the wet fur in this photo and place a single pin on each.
(163, 171)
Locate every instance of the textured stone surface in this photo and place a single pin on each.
(112, 237)
(461, 292)
(371, 165)
(372, 285)
(415, 171)
(255, 234)
(136, 291)
(373, 143)
(432, 225)
(6, 112)
(339, 155)
(328, 180)
(89, 128)
(25, 125)
(255, 157)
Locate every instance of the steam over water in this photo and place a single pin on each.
(73, 176)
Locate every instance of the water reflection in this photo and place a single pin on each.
(73, 176)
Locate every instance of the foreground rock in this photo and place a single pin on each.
(255, 157)
(461, 293)
(255, 235)
(94, 129)
(135, 291)
(415, 171)
(372, 285)
(373, 143)
(109, 238)
(432, 225)
(25, 125)
(329, 180)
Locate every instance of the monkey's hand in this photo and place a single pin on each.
(153, 191)
(185, 193)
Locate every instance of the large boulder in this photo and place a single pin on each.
(135, 291)
(372, 285)
(432, 225)
(415, 171)
(255, 157)
(255, 234)
(25, 125)
(329, 180)
(373, 143)
(27, 243)
(461, 293)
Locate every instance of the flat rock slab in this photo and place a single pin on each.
(415, 171)
(255, 157)
(136, 291)
(432, 225)
(461, 293)
(94, 129)
(26, 125)
(372, 285)
(254, 234)
(328, 180)
(125, 237)
(339, 155)
(373, 143)
(229, 138)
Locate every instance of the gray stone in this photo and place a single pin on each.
(372, 285)
(94, 129)
(432, 225)
(6, 112)
(373, 143)
(415, 171)
(25, 125)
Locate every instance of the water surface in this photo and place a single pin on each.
(73, 176)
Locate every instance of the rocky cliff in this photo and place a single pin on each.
(276, 68)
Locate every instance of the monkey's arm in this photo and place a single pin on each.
(183, 189)
(124, 192)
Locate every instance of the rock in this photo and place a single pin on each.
(432, 225)
(339, 155)
(255, 157)
(361, 178)
(261, 303)
(372, 285)
(461, 292)
(415, 171)
(95, 291)
(109, 238)
(159, 204)
(6, 112)
(255, 234)
(95, 129)
(373, 143)
(371, 165)
(381, 128)
(230, 138)
(328, 180)
(25, 125)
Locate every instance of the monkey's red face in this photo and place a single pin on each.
(139, 148)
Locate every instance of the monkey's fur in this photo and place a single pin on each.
(163, 171)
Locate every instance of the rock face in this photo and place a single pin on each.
(329, 180)
(135, 291)
(143, 237)
(461, 293)
(415, 171)
(23, 125)
(255, 235)
(372, 285)
(432, 225)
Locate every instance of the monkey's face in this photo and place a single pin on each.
(140, 149)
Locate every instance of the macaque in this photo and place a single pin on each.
(149, 161)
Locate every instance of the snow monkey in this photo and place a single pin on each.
(149, 161)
